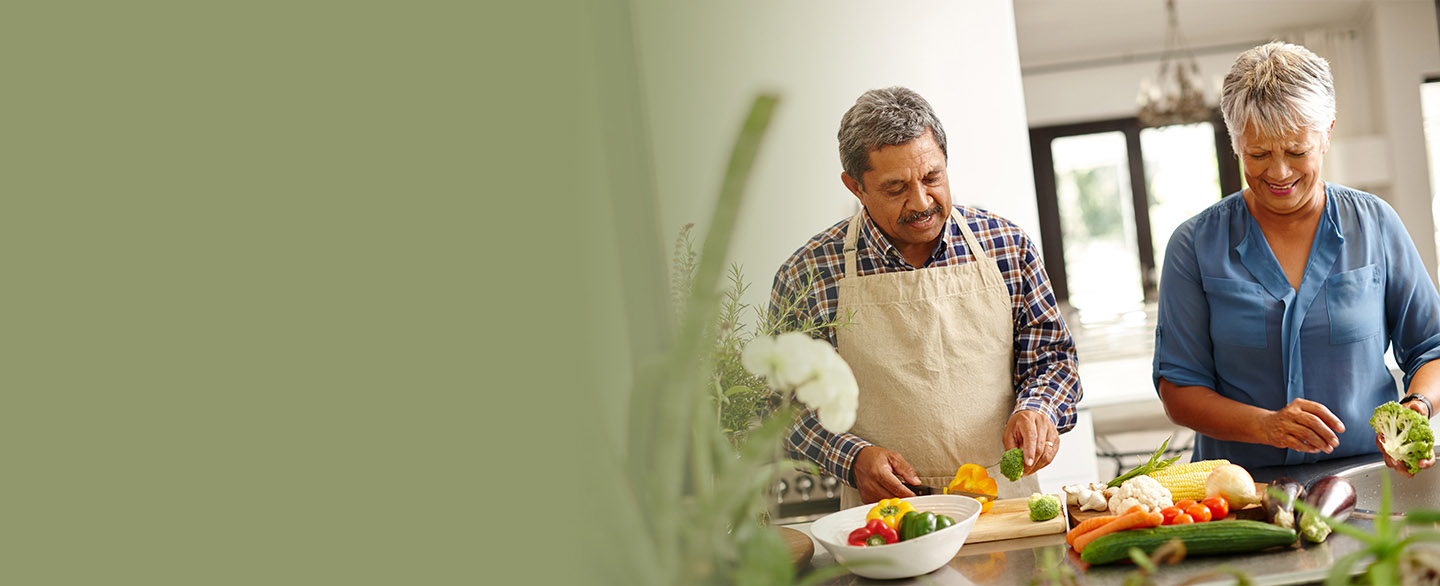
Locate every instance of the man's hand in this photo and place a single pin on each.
(1035, 435)
(1303, 426)
(876, 469)
(1397, 465)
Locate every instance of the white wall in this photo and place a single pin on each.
(1378, 122)
(702, 62)
(1107, 91)
(1406, 49)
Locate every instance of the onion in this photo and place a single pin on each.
(1234, 484)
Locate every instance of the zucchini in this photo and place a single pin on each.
(1200, 539)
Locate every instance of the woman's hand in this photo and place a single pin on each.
(1303, 426)
(1397, 465)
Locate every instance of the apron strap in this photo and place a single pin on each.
(852, 237)
(974, 245)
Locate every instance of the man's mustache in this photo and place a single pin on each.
(920, 215)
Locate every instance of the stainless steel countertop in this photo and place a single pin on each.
(981, 563)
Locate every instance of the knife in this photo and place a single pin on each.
(923, 490)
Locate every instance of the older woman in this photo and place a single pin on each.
(1277, 303)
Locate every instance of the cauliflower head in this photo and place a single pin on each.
(1141, 490)
(1405, 434)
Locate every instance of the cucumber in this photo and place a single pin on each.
(1200, 539)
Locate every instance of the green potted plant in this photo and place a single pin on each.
(691, 498)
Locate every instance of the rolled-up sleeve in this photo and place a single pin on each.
(1183, 352)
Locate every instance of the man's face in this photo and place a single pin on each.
(906, 192)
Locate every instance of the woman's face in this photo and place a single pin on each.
(1283, 172)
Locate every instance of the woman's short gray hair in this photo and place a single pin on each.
(884, 117)
(1280, 89)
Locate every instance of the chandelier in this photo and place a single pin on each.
(1174, 97)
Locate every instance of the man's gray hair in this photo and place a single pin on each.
(1280, 89)
(885, 117)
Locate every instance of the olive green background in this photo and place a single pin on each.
(299, 292)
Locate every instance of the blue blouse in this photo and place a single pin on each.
(1230, 321)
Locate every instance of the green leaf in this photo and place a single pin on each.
(1340, 572)
(1382, 571)
(1422, 517)
(1382, 519)
(737, 389)
(1155, 463)
(1142, 559)
(1424, 536)
(673, 390)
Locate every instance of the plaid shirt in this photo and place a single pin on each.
(1046, 377)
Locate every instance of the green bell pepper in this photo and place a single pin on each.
(943, 521)
(916, 524)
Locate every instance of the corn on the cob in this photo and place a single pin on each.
(1186, 481)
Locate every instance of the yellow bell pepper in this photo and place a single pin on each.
(973, 478)
(889, 512)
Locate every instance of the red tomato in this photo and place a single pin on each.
(1219, 508)
(1185, 504)
(1200, 513)
(1183, 519)
(1170, 513)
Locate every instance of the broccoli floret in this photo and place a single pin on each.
(1404, 433)
(1012, 464)
(1043, 507)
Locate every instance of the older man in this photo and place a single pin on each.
(953, 333)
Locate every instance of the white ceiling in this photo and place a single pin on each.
(1056, 33)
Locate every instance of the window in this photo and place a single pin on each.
(1181, 175)
(1097, 222)
(1110, 194)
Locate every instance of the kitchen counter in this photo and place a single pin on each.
(1021, 561)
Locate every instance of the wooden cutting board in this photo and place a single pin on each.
(799, 545)
(1010, 519)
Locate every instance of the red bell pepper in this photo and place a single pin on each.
(875, 527)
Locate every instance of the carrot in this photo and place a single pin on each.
(1087, 526)
(1132, 519)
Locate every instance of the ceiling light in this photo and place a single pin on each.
(1174, 96)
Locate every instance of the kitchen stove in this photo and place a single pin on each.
(800, 496)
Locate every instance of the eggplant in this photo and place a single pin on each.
(1333, 497)
(1281, 510)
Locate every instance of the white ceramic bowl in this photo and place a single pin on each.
(905, 559)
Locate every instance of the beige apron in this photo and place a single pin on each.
(933, 353)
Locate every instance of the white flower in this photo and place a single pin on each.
(760, 358)
(813, 369)
(826, 380)
(837, 412)
(798, 358)
(836, 419)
